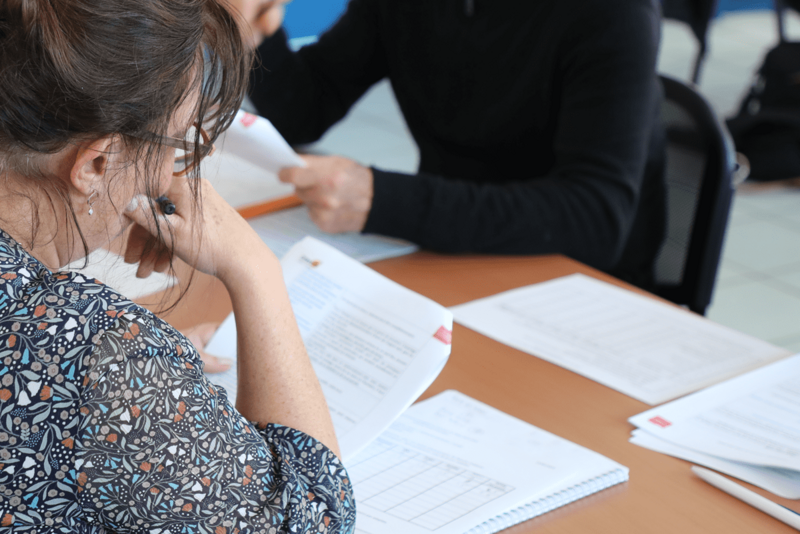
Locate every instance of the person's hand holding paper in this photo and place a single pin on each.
(338, 191)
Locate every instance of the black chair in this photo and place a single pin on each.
(697, 14)
(699, 168)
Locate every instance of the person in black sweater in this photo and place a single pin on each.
(537, 125)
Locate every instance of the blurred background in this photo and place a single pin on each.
(758, 288)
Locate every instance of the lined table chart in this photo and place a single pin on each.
(418, 488)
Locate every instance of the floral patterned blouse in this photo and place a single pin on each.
(108, 424)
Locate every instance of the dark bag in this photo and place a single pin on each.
(767, 127)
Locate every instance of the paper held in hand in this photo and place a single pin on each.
(375, 345)
(244, 168)
(255, 139)
(637, 345)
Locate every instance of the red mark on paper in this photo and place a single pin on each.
(444, 335)
(248, 119)
(660, 421)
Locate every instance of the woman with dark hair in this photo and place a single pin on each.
(107, 422)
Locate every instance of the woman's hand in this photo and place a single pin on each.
(277, 383)
(211, 237)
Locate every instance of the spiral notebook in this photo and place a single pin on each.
(453, 465)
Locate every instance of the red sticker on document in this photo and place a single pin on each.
(248, 119)
(444, 335)
(660, 421)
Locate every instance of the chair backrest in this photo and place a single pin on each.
(699, 167)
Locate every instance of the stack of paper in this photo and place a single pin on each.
(375, 345)
(747, 427)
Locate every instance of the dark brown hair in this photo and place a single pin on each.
(83, 69)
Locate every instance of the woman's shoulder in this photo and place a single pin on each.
(33, 294)
(67, 305)
(137, 336)
(67, 315)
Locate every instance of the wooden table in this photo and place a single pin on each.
(662, 495)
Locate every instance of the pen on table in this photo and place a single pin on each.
(166, 205)
(781, 513)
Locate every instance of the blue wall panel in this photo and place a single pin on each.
(743, 5)
(311, 17)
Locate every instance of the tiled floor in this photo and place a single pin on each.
(758, 290)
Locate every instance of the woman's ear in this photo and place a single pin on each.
(91, 163)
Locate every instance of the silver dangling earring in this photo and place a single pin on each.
(91, 202)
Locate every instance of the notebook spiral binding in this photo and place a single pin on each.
(551, 502)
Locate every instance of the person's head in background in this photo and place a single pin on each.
(90, 89)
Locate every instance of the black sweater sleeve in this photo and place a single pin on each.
(585, 206)
(304, 93)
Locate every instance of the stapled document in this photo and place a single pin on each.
(374, 344)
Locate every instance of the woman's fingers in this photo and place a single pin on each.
(147, 264)
(211, 237)
(136, 244)
(140, 211)
(162, 262)
(147, 251)
(154, 233)
(145, 269)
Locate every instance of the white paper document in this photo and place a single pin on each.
(781, 482)
(255, 139)
(451, 464)
(375, 345)
(242, 183)
(647, 349)
(244, 168)
(751, 419)
(283, 229)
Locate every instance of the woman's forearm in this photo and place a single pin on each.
(277, 383)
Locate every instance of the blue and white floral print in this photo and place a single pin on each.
(108, 424)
